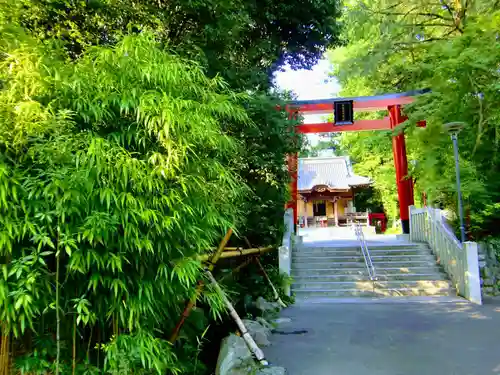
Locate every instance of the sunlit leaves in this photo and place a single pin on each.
(118, 165)
(451, 48)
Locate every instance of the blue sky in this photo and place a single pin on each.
(310, 84)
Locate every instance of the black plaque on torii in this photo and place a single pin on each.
(343, 112)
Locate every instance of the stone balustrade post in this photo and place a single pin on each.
(472, 276)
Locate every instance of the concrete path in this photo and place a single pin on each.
(343, 237)
(405, 338)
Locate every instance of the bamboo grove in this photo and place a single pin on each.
(111, 180)
(132, 137)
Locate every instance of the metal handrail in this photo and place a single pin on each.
(358, 230)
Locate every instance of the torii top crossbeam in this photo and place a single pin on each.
(360, 103)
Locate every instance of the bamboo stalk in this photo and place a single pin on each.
(277, 297)
(220, 249)
(73, 361)
(3, 370)
(4, 352)
(242, 252)
(88, 345)
(199, 287)
(237, 269)
(58, 317)
(229, 248)
(268, 279)
(257, 352)
(186, 312)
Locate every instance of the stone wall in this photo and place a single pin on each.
(490, 270)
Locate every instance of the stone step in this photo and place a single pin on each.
(343, 293)
(362, 270)
(400, 258)
(416, 284)
(405, 263)
(328, 271)
(360, 258)
(330, 252)
(303, 248)
(361, 264)
(399, 251)
(324, 265)
(363, 276)
(401, 270)
(365, 284)
(357, 252)
(328, 258)
(369, 285)
(302, 295)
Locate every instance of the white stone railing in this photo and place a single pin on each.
(461, 263)
(285, 250)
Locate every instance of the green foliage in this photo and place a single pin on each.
(245, 41)
(373, 153)
(329, 142)
(262, 167)
(451, 48)
(114, 167)
(249, 283)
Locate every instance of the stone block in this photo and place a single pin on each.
(267, 308)
(234, 357)
(264, 322)
(259, 333)
(489, 282)
(488, 290)
(487, 273)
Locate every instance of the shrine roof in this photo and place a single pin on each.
(334, 172)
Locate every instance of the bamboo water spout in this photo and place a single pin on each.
(238, 253)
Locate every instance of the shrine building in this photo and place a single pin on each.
(327, 191)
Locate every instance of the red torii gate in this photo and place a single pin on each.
(390, 102)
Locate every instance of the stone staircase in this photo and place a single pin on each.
(401, 270)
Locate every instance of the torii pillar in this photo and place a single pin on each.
(293, 170)
(404, 183)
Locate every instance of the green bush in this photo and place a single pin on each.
(113, 175)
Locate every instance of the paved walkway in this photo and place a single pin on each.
(343, 237)
(405, 338)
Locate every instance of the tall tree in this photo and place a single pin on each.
(451, 48)
(244, 41)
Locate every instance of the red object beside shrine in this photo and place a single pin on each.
(374, 217)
